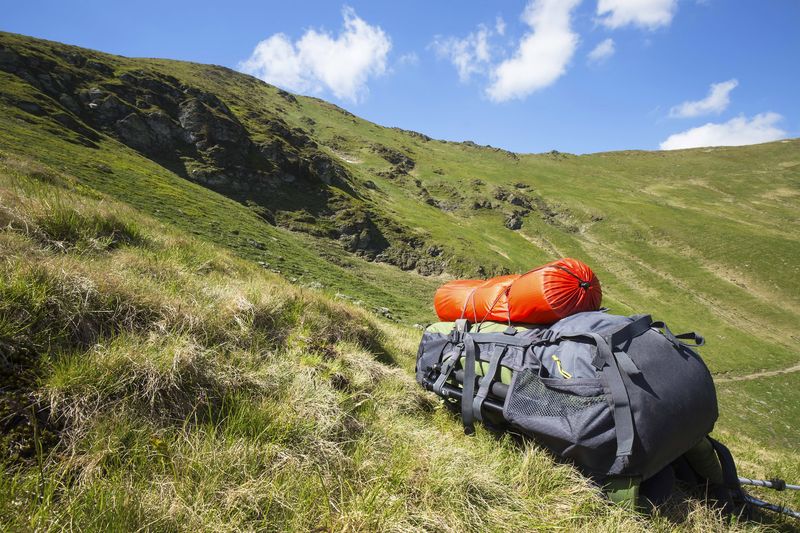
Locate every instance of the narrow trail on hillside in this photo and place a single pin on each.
(758, 375)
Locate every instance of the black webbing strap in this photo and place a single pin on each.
(731, 478)
(503, 338)
(447, 369)
(606, 358)
(677, 339)
(623, 419)
(468, 389)
(640, 324)
(483, 391)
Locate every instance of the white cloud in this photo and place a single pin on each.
(317, 60)
(500, 25)
(602, 51)
(409, 59)
(716, 101)
(736, 132)
(542, 56)
(470, 55)
(649, 14)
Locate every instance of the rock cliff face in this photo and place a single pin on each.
(252, 155)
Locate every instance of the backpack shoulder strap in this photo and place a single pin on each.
(730, 493)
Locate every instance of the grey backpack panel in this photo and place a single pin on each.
(620, 397)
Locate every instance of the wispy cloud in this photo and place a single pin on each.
(469, 56)
(602, 51)
(318, 60)
(409, 59)
(542, 55)
(500, 25)
(649, 14)
(736, 132)
(717, 101)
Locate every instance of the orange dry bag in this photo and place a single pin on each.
(540, 296)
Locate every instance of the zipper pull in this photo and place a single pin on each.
(561, 370)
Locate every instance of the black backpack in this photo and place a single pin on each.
(621, 397)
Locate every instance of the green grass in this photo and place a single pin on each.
(705, 239)
(164, 375)
(176, 387)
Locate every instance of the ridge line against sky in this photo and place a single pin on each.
(574, 75)
(542, 56)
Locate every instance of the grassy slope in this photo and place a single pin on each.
(166, 385)
(705, 239)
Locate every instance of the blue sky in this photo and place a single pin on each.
(528, 76)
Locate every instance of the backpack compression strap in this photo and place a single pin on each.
(471, 404)
(608, 363)
(483, 392)
(612, 363)
(731, 479)
(468, 387)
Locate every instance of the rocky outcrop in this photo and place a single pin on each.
(275, 166)
(9, 60)
(162, 117)
(207, 128)
(393, 156)
(518, 199)
(327, 170)
(513, 222)
(359, 233)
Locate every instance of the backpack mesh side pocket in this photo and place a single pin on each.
(531, 398)
(572, 417)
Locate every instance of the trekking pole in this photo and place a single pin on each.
(774, 483)
(450, 391)
(770, 507)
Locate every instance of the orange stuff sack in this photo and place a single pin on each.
(541, 296)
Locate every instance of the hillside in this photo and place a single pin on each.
(153, 382)
(185, 247)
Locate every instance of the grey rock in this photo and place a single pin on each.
(30, 107)
(327, 170)
(100, 67)
(94, 94)
(111, 110)
(135, 132)
(128, 78)
(287, 96)
(69, 103)
(25, 75)
(74, 59)
(66, 76)
(167, 130)
(47, 83)
(513, 222)
(9, 60)
(211, 177)
(203, 125)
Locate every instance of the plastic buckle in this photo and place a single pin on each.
(548, 335)
(462, 325)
